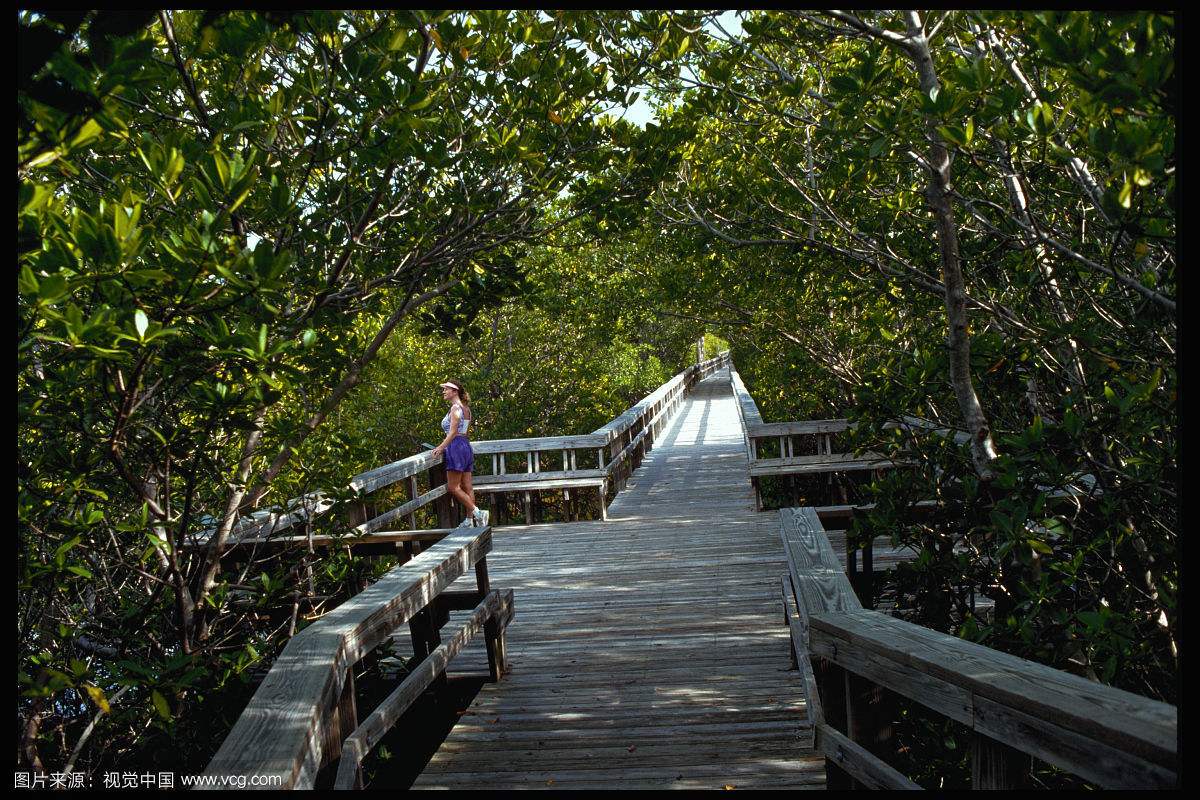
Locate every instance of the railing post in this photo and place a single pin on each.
(869, 715)
(340, 720)
(831, 686)
(412, 495)
(493, 633)
(444, 505)
(995, 765)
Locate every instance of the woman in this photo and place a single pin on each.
(460, 460)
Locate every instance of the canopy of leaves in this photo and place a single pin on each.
(251, 245)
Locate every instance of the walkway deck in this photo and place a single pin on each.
(648, 651)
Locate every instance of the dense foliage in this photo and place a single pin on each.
(251, 245)
(969, 218)
(222, 219)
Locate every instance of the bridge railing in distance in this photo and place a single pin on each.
(851, 659)
(814, 456)
(303, 715)
(618, 448)
(806, 448)
(629, 436)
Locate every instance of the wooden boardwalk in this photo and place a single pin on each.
(648, 651)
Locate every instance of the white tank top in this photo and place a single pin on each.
(463, 423)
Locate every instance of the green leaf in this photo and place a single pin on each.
(97, 695)
(160, 704)
(52, 288)
(27, 282)
(953, 133)
(90, 130)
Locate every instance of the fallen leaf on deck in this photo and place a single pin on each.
(729, 786)
(632, 747)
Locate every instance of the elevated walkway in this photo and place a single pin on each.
(646, 651)
(685, 640)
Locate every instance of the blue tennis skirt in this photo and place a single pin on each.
(458, 455)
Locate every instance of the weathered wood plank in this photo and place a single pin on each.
(995, 765)
(425, 499)
(373, 479)
(585, 441)
(527, 481)
(819, 465)
(1007, 691)
(800, 428)
(866, 768)
(371, 730)
(817, 576)
(281, 731)
(585, 477)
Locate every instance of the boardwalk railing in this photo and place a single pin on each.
(804, 447)
(851, 659)
(807, 447)
(303, 715)
(518, 466)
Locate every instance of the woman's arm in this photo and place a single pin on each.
(455, 418)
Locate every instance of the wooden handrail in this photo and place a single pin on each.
(497, 606)
(1016, 708)
(1105, 735)
(304, 708)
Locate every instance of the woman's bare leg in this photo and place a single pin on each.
(454, 480)
(468, 488)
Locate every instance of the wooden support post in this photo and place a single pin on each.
(603, 500)
(433, 637)
(412, 495)
(995, 765)
(444, 505)
(340, 721)
(831, 686)
(785, 589)
(869, 715)
(417, 628)
(867, 595)
(493, 633)
(528, 498)
(852, 563)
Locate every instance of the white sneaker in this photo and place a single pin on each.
(481, 518)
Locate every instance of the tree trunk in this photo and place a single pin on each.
(983, 452)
